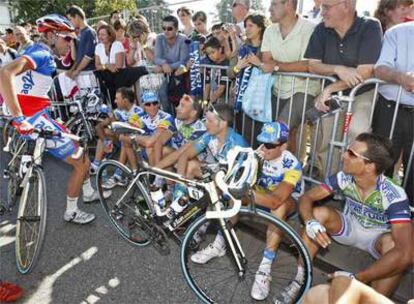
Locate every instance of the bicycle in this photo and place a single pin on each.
(228, 279)
(26, 177)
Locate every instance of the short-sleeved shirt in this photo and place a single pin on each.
(116, 48)
(387, 204)
(360, 45)
(290, 49)
(211, 144)
(285, 168)
(184, 133)
(161, 120)
(86, 47)
(33, 85)
(133, 116)
(397, 54)
(175, 55)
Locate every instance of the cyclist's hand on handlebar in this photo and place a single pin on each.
(22, 126)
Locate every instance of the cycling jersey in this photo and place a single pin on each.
(133, 116)
(161, 120)
(386, 205)
(183, 133)
(285, 168)
(210, 143)
(33, 85)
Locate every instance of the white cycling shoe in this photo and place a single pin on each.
(261, 286)
(95, 196)
(79, 217)
(208, 253)
(289, 293)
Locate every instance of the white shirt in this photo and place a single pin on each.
(5, 58)
(116, 48)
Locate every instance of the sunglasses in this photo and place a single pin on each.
(354, 154)
(154, 103)
(213, 110)
(270, 146)
(167, 28)
(235, 4)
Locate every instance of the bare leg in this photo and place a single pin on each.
(193, 169)
(78, 175)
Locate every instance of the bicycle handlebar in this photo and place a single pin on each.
(53, 133)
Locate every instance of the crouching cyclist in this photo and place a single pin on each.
(279, 184)
(24, 84)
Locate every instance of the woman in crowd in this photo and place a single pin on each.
(142, 42)
(240, 66)
(184, 14)
(120, 27)
(393, 12)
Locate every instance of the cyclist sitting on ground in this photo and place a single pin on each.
(127, 111)
(24, 84)
(279, 184)
(153, 122)
(376, 216)
(187, 127)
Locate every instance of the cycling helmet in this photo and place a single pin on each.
(54, 22)
(149, 96)
(273, 133)
(242, 167)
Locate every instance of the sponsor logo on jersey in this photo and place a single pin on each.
(28, 83)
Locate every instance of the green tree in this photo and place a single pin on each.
(154, 11)
(257, 5)
(224, 11)
(105, 7)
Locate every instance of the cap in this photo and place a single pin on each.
(149, 96)
(273, 133)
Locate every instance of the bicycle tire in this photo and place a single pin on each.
(128, 219)
(77, 127)
(31, 210)
(228, 287)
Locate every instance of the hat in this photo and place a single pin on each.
(149, 96)
(274, 133)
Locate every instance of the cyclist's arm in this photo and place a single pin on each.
(188, 154)
(276, 198)
(7, 89)
(172, 158)
(102, 125)
(394, 261)
(306, 200)
(164, 136)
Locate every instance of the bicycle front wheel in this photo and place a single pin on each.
(31, 221)
(126, 207)
(220, 281)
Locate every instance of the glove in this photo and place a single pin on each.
(22, 126)
(313, 227)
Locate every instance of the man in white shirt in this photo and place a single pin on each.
(239, 11)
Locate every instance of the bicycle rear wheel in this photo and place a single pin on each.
(127, 207)
(219, 280)
(31, 221)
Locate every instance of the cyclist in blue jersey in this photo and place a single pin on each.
(376, 217)
(187, 127)
(127, 111)
(24, 84)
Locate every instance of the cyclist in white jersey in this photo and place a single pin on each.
(376, 217)
(24, 84)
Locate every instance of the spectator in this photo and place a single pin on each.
(83, 50)
(200, 23)
(255, 25)
(216, 79)
(226, 34)
(396, 66)
(100, 23)
(284, 45)
(7, 54)
(109, 53)
(314, 14)
(11, 39)
(184, 14)
(345, 46)
(22, 38)
(171, 52)
(114, 16)
(376, 216)
(120, 27)
(392, 12)
(239, 11)
(142, 42)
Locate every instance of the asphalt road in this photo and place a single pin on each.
(90, 264)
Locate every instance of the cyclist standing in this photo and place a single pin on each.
(24, 84)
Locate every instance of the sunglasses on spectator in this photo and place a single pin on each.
(154, 103)
(213, 110)
(167, 28)
(353, 154)
(270, 146)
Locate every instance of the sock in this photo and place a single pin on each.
(158, 181)
(71, 204)
(300, 275)
(96, 163)
(219, 241)
(87, 187)
(179, 191)
(268, 258)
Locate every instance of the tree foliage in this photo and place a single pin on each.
(105, 7)
(224, 11)
(154, 11)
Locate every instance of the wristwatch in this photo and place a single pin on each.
(236, 69)
(276, 68)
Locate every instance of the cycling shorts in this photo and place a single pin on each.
(59, 147)
(353, 234)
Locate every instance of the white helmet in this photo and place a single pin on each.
(242, 167)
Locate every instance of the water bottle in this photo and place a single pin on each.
(157, 197)
(177, 206)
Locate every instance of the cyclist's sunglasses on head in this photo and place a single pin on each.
(354, 154)
(270, 146)
(167, 28)
(154, 103)
(212, 109)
